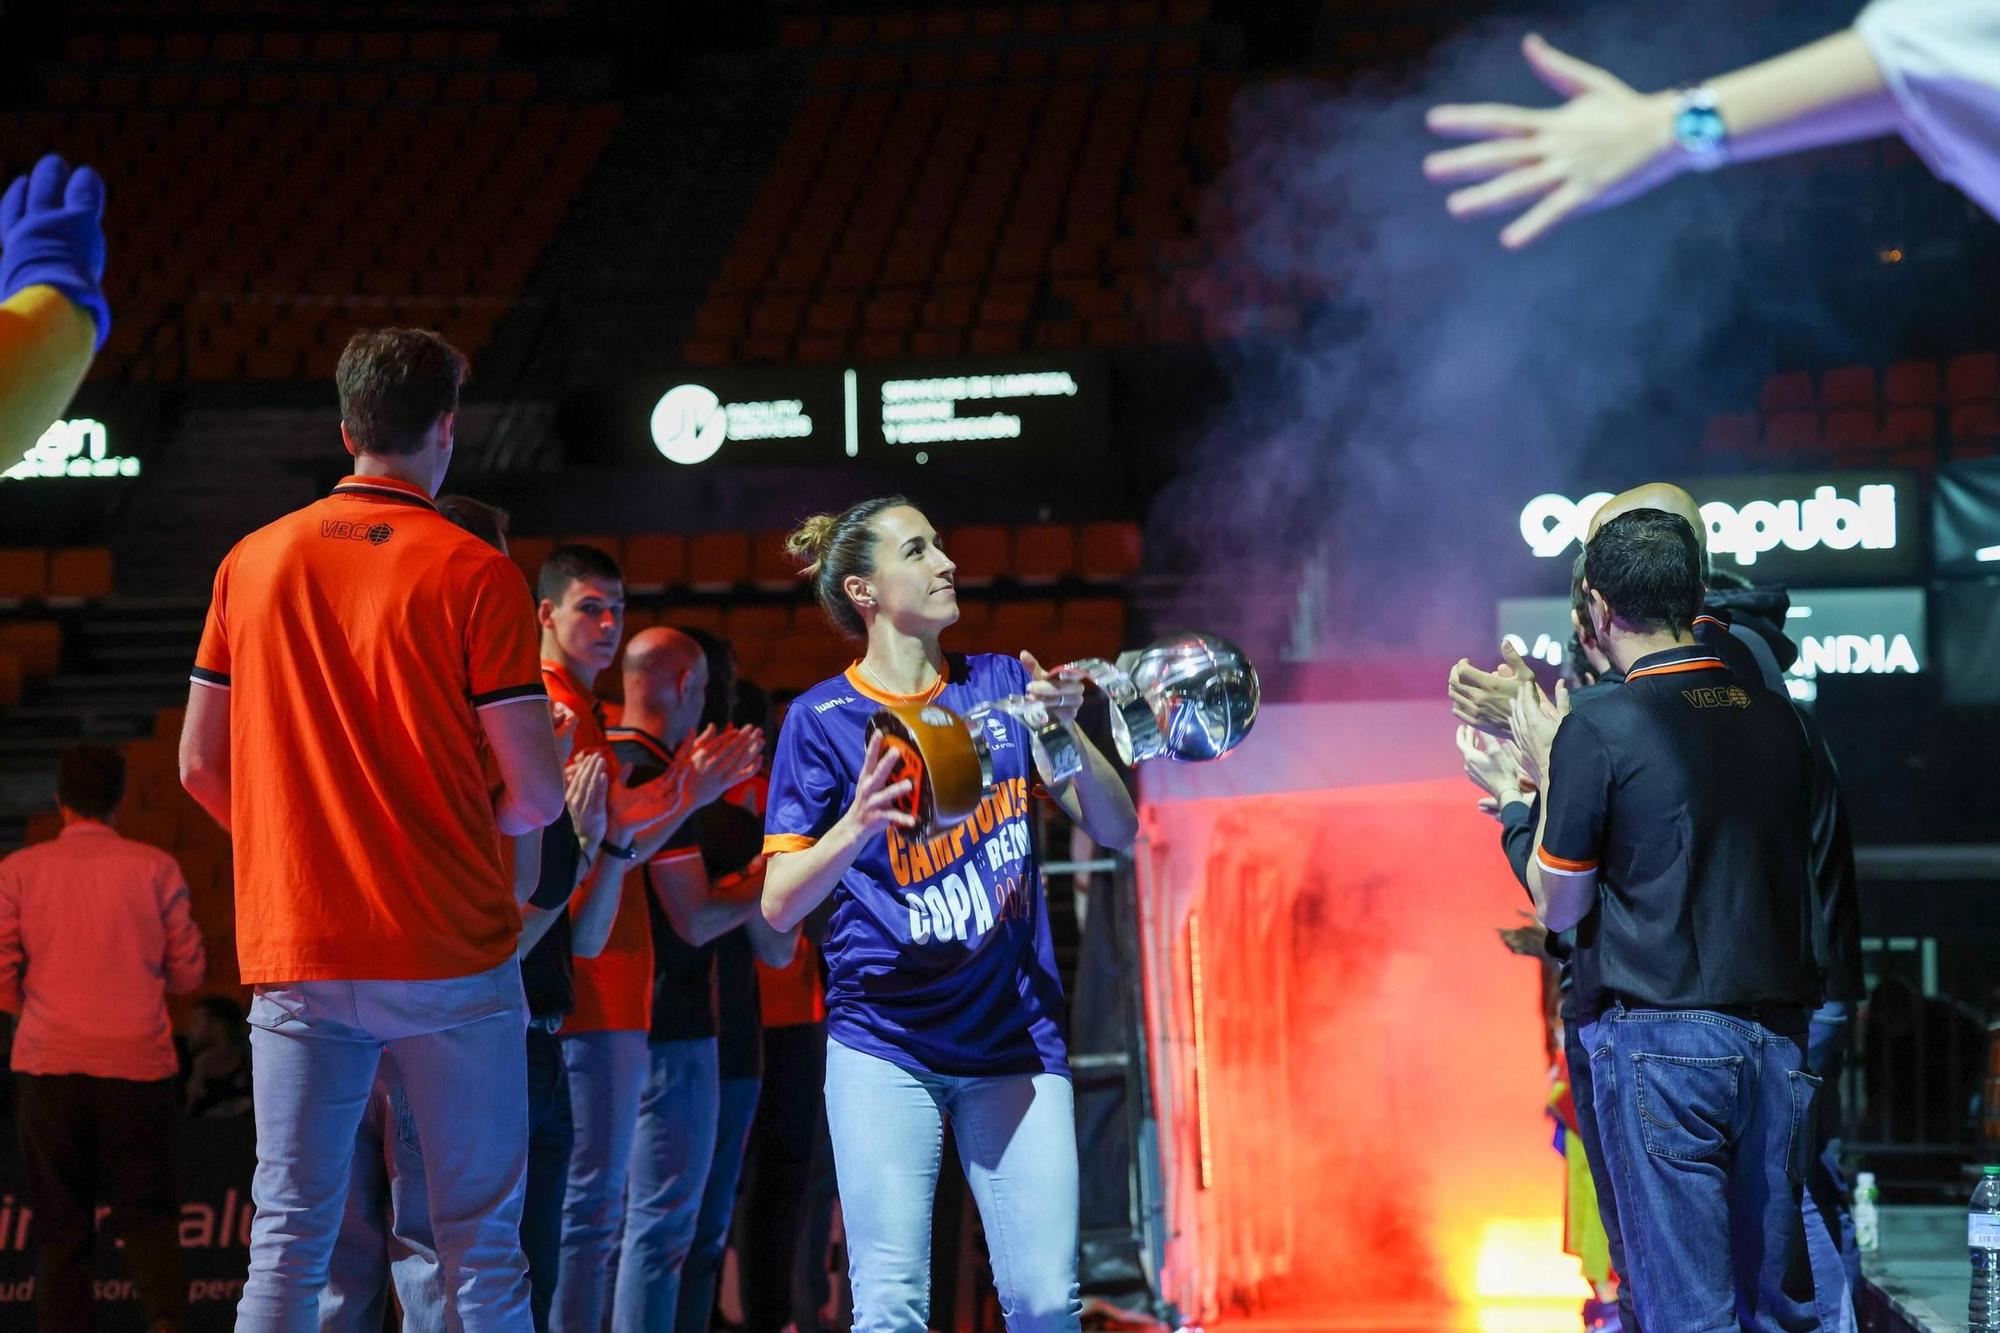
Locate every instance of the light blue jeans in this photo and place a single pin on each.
(671, 1153)
(606, 1071)
(457, 1048)
(1016, 1136)
(385, 1233)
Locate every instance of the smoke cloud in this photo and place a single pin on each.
(1437, 375)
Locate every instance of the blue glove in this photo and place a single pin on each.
(52, 233)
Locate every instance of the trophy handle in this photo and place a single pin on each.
(1135, 728)
(1058, 757)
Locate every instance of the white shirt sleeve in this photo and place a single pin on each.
(1941, 60)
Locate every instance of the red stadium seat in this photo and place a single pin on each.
(24, 573)
(1911, 383)
(1108, 552)
(1790, 434)
(528, 553)
(1731, 434)
(718, 560)
(982, 554)
(1789, 392)
(1973, 376)
(655, 561)
(771, 565)
(1975, 422)
(1044, 552)
(35, 644)
(12, 678)
(1848, 386)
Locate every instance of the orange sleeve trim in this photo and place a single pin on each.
(786, 842)
(1562, 865)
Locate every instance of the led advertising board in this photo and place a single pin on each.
(1839, 631)
(1801, 527)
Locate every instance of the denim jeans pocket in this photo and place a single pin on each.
(275, 1008)
(1798, 1143)
(1687, 1104)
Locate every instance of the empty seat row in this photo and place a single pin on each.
(1037, 553)
(67, 575)
(1971, 377)
(235, 47)
(947, 24)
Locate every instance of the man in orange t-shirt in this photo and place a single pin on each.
(361, 657)
(581, 608)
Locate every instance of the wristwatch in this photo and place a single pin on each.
(1698, 129)
(625, 853)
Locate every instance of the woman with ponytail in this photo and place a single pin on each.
(942, 996)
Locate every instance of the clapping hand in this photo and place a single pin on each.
(645, 815)
(1060, 692)
(1534, 720)
(563, 718)
(1493, 767)
(1483, 698)
(711, 762)
(586, 787)
(1606, 144)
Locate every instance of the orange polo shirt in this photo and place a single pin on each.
(614, 991)
(359, 638)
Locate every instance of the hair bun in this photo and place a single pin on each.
(810, 539)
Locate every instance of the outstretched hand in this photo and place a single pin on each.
(1535, 719)
(711, 761)
(1606, 144)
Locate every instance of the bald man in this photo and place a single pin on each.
(1483, 698)
(664, 1278)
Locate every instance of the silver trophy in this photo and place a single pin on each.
(1189, 697)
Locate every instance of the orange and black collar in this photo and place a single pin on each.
(392, 489)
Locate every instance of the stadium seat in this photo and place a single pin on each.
(1023, 626)
(982, 553)
(528, 553)
(1973, 376)
(1108, 552)
(655, 562)
(79, 574)
(24, 573)
(1044, 552)
(1910, 383)
(1792, 433)
(1974, 422)
(771, 565)
(13, 678)
(1848, 386)
(1730, 434)
(1849, 428)
(37, 644)
(718, 560)
(1788, 392)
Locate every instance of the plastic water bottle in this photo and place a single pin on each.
(1982, 1236)
(1867, 1223)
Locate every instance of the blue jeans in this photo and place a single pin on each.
(1706, 1121)
(456, 1047)
(671, 1154)
(605, 1072)
(1016, 1136)
(1836, 1259)
(550, 1135)
(385, 1232)
(736, 1107)
(1581, 1090)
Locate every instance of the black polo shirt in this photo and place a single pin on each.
(684, 975)
(1686, 792)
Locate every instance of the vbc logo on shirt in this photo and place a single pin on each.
(1711, 696)
(339, 529)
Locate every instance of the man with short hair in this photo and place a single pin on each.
(363, 658)
(1675, 832)
(95, 932)
(581, 610)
